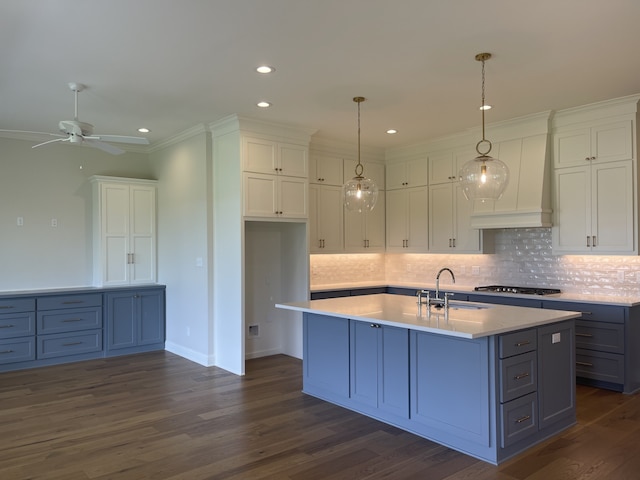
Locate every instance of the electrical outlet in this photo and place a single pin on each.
(20, 221)
(555, 337)
(54, 222)
(620, 276)
(254, 330)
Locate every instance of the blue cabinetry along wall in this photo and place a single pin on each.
(47, 328)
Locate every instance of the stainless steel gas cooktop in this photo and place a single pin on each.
(519, 290)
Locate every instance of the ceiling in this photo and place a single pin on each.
(171, 65)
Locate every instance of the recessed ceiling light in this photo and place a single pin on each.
(485, 107)
(265, 69)
(264, 104)
(144, 130)
(392, 131)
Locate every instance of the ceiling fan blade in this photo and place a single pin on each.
(66, 139)
(105, 147)
(120, 139)
(27, 132)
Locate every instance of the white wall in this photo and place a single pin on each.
(183, 232)
(52, 183)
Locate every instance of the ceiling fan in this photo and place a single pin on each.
(77, 132)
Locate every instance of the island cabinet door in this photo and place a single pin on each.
(325, 361)
(556, 373)
(380, 368)
(450, 390)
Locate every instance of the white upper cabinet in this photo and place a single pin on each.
(442, 168)
(325, 219)
(604, 142)
(406, 174)
(364, 232)
(261, 155)
(594, 209)
(595, 179)
(275, 183)
(407, 220)
(124, 234)
(326, 170)
(449, 221)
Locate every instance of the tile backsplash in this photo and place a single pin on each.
(522, 257)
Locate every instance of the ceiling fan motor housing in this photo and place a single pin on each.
(76, 128)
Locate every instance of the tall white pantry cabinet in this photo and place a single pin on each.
(124, 231)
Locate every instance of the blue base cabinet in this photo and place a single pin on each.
(135, 321)
(490, 397)
(70, 325)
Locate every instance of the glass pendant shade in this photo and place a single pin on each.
(484, 178)
(360, 194)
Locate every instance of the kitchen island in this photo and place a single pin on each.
(487, 380)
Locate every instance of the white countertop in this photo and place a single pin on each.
(447, 286)
(482, 320)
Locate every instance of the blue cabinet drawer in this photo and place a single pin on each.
(518, 376)
(518, 419)
(15, 305)
(17, 325)
(70, 301)
(515, 343)
(17, 350)
(63, 344)
(603, 366)
(57, 321)
(605, 337)
(590, 311)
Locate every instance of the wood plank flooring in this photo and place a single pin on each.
(159, 416)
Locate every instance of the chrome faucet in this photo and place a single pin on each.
(437, 297)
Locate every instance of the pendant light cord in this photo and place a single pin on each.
(482, 57)
(359, 168)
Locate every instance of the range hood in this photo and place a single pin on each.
(527, 200)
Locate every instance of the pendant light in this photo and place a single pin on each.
(360, 193)
(484, 177)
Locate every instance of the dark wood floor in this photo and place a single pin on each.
(158, 416)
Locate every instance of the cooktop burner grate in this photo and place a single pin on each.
(519, 290)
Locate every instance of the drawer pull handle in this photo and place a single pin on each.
(523, 343)
(71, 344)
(71, 320)
(523, 419)
(374, 325)
(587, 335)
(7, 326)
(6, 351)
(585, 364)
(6, 306)
(521, 376)
(71, 302)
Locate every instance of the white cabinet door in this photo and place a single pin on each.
(612, 209)
(572, 224)
(293, 160)
(407, 220)
(326, 219)
(606, 142)
(441, 214)
(441, 168)
(260, 196)
(274, 196)
(594, 209)
(124, 231)
(143, 234)
(406, 174)
(268, 156)
(326, 170)
(259, 155)
(364, 232)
